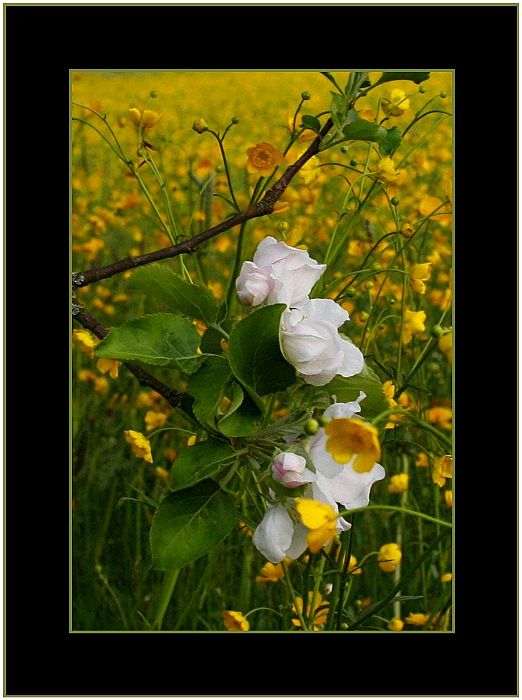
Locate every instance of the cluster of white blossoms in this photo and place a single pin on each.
(309, 331)
(280, 534)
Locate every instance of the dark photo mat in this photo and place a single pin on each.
(42, 44)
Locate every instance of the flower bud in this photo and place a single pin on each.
(153, 94)
(443, 94)
(290, 470)
(422, 89)
(283, 227)
(322, 420)
(344, 149)
(200, 126)
(353, 163)
(235, 120)
(437, 331)
(305, 95)
(407, 230)
(311, 426)
(395, 201)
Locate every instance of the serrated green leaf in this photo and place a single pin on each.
(161, 283)
(255, 355)
(363, 130)
(162, 340)
(242, 417)
(189, 523)
(391, 141)
(207, 386)
(348, 388)
(416, 77)
(201, 461)
(311, 122)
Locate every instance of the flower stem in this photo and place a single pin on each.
(398, 509)
(165, 594)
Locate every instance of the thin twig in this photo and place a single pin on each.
(262, 208)
(145, 379)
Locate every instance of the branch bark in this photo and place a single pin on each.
(145, 379)
(262, 208)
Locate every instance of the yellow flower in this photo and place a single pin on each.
(101, 385)
(85, 341)
(389, 392)
(310, 170)
(407, 230)
(111, 366)
(396, 624)
(446, 578)
(192, 440)
(386, 170)
(442, 470)
(413, 324)
(353, 567)
(448, 498)
(139, 443)
(320, 519)
(154, 420)
(146, 119)
(351, 436)
(398, 483)
(389, 557)
(418, 275)
(417, 619)
(270, 573)
(162, 473)
(316, 610)
(422, 460)
(263, 158)
(441, 416)
(144, 399)
(446, 345)
(395, 103)
(86, 375)
(235, 621)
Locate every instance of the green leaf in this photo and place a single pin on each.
(160, 282)
(162, 340)
(201, 461)
(310, 122)
(356, 80)
(416, 77)
(254, 353)
(391, 141)
(207, 386)
(211, 341)
(242, 417)
(190, 523)
(363, 130)
(348, 388)
(340, 110)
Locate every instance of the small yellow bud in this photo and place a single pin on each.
(407, 230)
(200, 126)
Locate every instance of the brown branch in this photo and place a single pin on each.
(145, 379)
(262, 208)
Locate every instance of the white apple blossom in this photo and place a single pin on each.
(278, 536)
(290, 470)
(310, 341)
(278, 274)
(340, 483)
